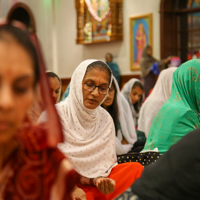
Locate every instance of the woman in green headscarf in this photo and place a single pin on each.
(181, 113)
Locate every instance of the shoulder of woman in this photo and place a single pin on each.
(190, 116)
(105, 113)
(34, 138)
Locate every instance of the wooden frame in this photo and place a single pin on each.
(137, 23)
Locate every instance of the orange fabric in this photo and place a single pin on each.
(124, 174)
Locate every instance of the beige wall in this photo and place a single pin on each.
(43, 16)
(61, 37)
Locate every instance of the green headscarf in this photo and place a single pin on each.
(181, 112)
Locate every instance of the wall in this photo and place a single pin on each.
(42, 11)
(69, 55)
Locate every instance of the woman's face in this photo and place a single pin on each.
(136, 94)
(149, 51)
(55, 88)
(108, 58)
(110, 97)
(98, 77)
(16, 88)
(141, 27)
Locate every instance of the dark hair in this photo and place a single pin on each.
(101, 65)
(113, 109)
(139, 103)
(148, 46)
(24, 40)
(110, 56)
(53, 75)
(21, 15)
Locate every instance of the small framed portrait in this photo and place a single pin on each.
(140, 36)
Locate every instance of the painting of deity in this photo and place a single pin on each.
(140, 36)
(98, 20)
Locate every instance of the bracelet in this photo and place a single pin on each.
(91, 181)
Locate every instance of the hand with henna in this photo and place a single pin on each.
(78, 194)
(105, 185)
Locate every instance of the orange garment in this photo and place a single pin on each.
(124, 174)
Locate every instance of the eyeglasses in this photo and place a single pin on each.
(91, 87)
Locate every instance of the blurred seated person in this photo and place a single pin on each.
(119, 109)
(55, 85)
(66, 93)
(175, 176)
(133, 91)
(160, 94)
(113, 66)
(179, 115)
(150, 68)
(38, 104)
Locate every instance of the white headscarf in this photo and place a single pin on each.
(126, 90)
(160, 94)
(126, 122)
(89, 133)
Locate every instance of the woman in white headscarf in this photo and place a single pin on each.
(133, 91)
(160, 94)
(119, 109)
(90, 134)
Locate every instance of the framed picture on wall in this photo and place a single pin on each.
(140, 36)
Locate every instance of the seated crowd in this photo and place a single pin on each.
(86, 147)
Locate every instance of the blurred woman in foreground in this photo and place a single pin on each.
(31, 166)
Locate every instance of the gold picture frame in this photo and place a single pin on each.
(140, 36)
(99, 21)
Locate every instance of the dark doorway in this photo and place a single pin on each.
(180, 28)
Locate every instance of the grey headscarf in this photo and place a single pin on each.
(147, 61)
